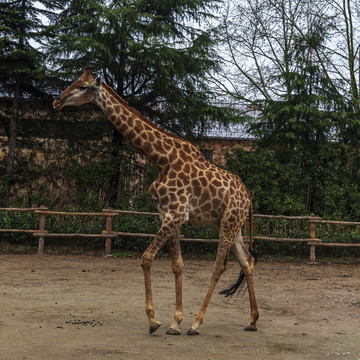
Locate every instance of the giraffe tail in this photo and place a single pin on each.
(231, 290)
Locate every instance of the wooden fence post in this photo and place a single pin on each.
(312, 236)
(108, 229)
(42, 221)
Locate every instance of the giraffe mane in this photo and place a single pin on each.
(144, 118)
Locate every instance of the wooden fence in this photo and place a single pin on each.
(108, 233)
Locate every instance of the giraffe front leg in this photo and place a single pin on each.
(177, 266)
(169, 227)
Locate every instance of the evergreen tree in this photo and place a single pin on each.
(154, 54)
(301, 124)
(22, 71)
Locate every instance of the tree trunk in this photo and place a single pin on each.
(12, 140)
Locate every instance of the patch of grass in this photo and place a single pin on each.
(340, 260)
(304, 259)
(122, 254)
(282, 258)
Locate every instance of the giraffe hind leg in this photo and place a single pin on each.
(225, 244)
(247, 261)
(219, 268)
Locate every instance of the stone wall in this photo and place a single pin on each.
(220, 146)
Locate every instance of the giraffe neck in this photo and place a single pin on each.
(155, 143)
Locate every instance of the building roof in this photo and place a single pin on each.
(232, 131)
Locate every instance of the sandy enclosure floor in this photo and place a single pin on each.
(78, 307)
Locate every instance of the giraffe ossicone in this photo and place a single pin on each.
(188, 188)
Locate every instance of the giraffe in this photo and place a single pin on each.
(188, 188)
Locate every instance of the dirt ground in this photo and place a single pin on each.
(82, 307)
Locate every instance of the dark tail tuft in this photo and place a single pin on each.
(231, 290)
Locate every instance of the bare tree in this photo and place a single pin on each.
(258, 40)
(341, 55)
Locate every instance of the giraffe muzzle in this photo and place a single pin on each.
(57, 103)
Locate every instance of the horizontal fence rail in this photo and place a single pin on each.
(108, 233)
(29, 231)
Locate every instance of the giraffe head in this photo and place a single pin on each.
(80, 92)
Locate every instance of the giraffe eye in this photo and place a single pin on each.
(83, 88)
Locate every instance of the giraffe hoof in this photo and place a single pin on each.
(250, 328)
(153, 328)
(193, 331)
(172, 331)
